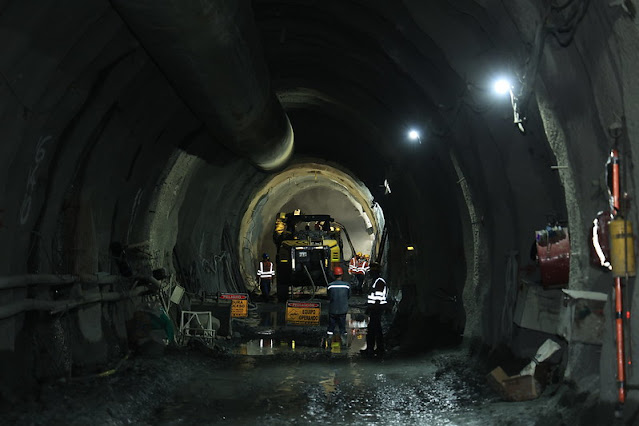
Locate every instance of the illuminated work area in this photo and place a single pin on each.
(186, 186)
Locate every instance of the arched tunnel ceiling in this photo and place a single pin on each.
(370, 71)
(379, 62)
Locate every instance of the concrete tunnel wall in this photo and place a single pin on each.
(579, 104)
(93, 153)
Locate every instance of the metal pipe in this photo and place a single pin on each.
(18, 281)
(616, 191)
(621, 370)
(210, 52)
(57, 306)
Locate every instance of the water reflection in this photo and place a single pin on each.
(268, 319)
(258, 347)
(347, 391)
(269, 346)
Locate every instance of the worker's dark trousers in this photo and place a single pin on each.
(265, 286)
(338, 320)
(374, 333)
(360, 283)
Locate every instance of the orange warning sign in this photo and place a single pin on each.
(303, 313)
(239, 304)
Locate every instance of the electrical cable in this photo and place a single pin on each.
(323, 273)
(348, 238)
(312, 282)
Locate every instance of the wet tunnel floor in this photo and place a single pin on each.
(193, 387)
(261, 379)
(258, 390)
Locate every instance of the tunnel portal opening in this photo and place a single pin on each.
(311, 188)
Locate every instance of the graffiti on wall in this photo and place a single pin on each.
(27, 201)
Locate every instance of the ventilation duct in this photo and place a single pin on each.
(210, 52)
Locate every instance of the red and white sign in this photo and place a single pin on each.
(239, 304)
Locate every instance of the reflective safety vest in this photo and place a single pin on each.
(352, 266)
(362, 267)
(376, 297)
(266, 270)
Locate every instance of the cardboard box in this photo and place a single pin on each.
(514, 388)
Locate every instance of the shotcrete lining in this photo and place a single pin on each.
(557, 140)
(170, 192)
(472, 233)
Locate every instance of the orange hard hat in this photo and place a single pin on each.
(338, 271)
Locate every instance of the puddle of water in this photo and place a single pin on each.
(270, 319)
(402, 392)
(265, 346)
(269, 346)
(355, 341)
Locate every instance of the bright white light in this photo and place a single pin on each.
(502, 86)
(413, 135)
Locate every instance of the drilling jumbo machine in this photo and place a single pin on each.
(308, 248)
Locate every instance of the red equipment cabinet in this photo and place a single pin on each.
(553, 254)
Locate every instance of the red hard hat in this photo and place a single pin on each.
(338, 270)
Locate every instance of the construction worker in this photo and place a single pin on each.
(375, 307)
(338, 294)
(360, 272)
(367, 260)
(353, 268)
(265, 274)
(352, 265)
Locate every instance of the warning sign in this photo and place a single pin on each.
(239, 304)
(303, 313)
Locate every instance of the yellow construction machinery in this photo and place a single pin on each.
(308, 248)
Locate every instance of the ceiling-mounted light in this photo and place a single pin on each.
(414, 135)
(502, 86)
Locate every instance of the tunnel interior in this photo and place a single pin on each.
(149, 146)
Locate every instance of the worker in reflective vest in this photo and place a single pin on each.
(265, 274)
(375, 307)
(367, 268)
(353, 264)
(362, 270)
